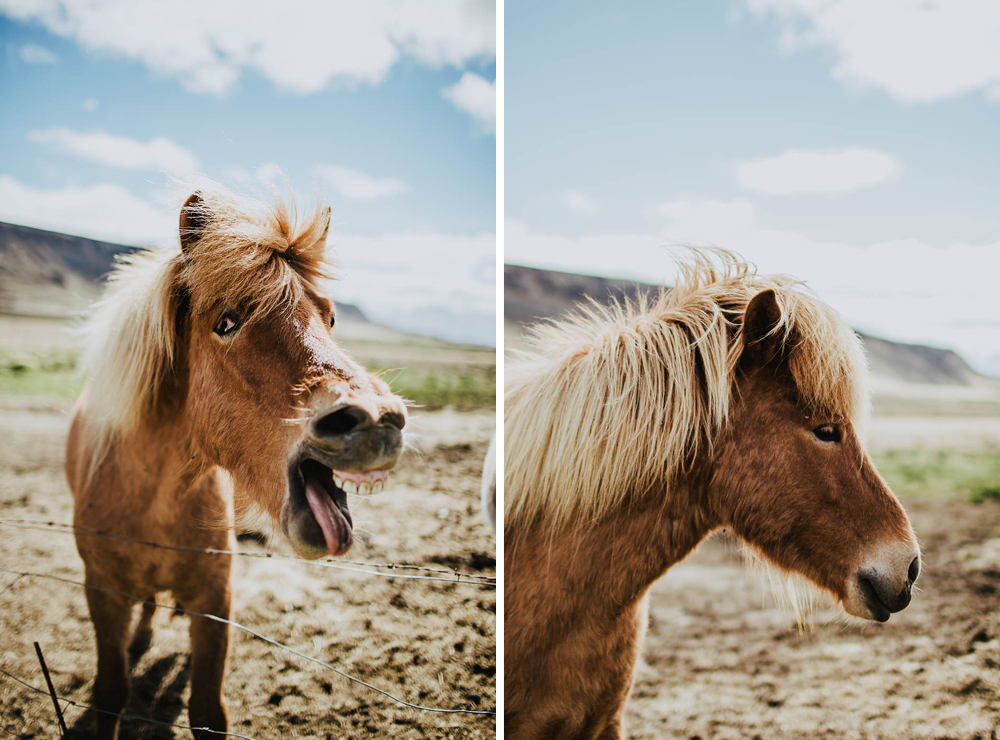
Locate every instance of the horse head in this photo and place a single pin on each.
(792, 477)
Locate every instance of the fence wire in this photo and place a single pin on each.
(456, 576)
(259, 636)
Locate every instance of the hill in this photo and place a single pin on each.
(44, 273)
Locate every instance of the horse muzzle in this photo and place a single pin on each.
(883, 585)
(345, 451)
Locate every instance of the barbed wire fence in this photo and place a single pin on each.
(378, 569)
(384, 570)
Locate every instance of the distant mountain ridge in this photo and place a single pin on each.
(88, 257)
(46, 273)
(531, 294)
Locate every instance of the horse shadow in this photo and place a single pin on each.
(152, 697)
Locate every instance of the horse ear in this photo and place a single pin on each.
(762, 340)
(194, 219)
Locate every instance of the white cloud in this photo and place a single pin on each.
(579, 202)
(119, 151)
(901, 289)
(90, 105)
(629, 255)
(357, 185)
(37, 54)
(915, 50)
(103, 211)
(403, 271)
(268, 174)
(477, 97)
(693, 220)
(828, 173)
(429, 283)
(299, 45)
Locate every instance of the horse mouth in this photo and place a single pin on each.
(318, 521)
(879, 611)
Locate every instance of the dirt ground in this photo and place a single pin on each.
(723, 660)
(428, 642)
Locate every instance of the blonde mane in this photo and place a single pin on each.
(246, 253)
(615, 400)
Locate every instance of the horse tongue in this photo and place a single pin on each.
(336, 529)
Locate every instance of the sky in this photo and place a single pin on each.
(385, 109)
(850, 143)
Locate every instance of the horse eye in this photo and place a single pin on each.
(333, 320)
(228, 323)
(827, 433)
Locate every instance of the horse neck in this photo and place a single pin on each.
(604, 568)
(160, 456)
(164, 440)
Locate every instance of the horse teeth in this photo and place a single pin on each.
(366, 488)
(350, 486)
(378, 486)
(338, 481)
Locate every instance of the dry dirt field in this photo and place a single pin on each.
(430, 643)
(723, 660)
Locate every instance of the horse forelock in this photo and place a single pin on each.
(252, 255)
(618, 400)
(255, 254)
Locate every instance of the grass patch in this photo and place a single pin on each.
(942, 474)
(464, 387)
(984, 493)
(39, 374)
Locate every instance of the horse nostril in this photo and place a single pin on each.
(914, 570)
(396, 420)
(341, 422)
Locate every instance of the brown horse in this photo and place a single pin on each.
(632, 432)
(214, 386)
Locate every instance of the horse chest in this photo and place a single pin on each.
(576, 686)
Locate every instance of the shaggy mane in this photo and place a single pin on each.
(615, 400)
(257, 256)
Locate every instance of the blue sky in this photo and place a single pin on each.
(385, 110)
(853, 144)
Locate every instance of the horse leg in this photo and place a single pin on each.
(209, 651)
(111, 616)
(143, 634)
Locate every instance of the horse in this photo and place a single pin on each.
(215, 387)
(634, 430)
(488, 487)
